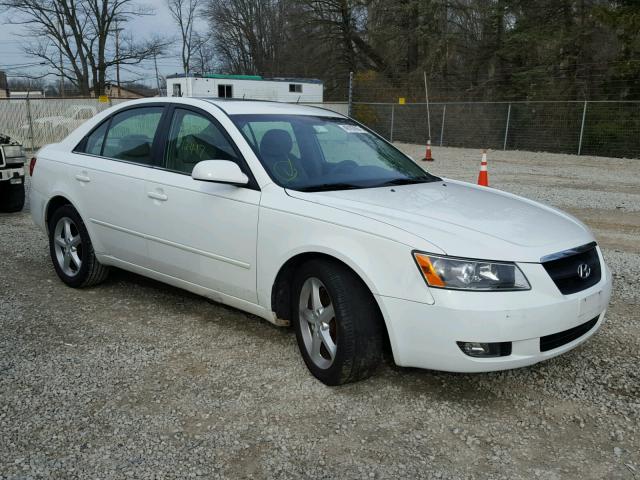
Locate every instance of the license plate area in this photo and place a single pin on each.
(591, 304)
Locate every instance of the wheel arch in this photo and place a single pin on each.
(281, 287)
(53, 204)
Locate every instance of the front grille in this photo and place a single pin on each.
(562, 338)
(563, 268)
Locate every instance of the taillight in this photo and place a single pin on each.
(32, 166)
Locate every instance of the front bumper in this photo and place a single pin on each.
(425, 336)
(9, 173)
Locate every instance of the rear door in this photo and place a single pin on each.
(120, 153)
(201, 232)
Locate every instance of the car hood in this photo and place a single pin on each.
(463, 219)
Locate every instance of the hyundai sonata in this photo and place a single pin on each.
(302, 216)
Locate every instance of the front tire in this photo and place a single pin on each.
(338, 325)
(71, 250)
(11, 197)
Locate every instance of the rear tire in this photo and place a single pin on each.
(71, 250)
(11, 197)
(338, 326)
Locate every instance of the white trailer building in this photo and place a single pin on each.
(252, 87)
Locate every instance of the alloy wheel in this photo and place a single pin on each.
(318, 323)
(68, 246)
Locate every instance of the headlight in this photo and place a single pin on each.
(465, 274)
(13, 151)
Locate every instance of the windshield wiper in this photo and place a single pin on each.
(406, 181)
(325, 187)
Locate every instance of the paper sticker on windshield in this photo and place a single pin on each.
(352, 128)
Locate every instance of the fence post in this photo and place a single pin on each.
(584, 115)
(350, 94)
(506, 129)
(393, 109)
(30, 118)
(444, 115)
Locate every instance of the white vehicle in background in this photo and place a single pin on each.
(294, 90)
(53, 128)
(298, 214)
(12, 160)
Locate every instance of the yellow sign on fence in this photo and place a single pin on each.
(103, 99)
(401, 100)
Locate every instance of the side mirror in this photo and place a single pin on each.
(220, 171)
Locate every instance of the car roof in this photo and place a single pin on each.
(256, 107)
(240, 107)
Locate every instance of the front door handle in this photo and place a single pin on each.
(83, 178)
(158, 196)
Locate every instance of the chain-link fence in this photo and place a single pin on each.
(37, 122)
(591, 128)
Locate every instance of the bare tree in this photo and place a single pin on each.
(184, 13)
(342, 24)
(248, 34)
(25, 83)
(204, 56)
(79, 32)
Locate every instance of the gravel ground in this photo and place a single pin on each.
(135, 379)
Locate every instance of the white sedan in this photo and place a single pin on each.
(303, 216)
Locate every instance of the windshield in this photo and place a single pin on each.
(311, 153)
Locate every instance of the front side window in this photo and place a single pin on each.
(311, 153)
(131, 135)
(194, 138)
(295, 88)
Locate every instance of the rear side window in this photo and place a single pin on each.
(96, 140)
(131, 134)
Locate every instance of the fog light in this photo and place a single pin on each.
(485, 350)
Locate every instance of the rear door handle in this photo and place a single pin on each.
(158, 196)
(83, 178)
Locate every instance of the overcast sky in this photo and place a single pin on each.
(12, 38)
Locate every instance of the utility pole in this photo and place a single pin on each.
(62, 33)
(155, 64)
(426, 94)
(117, 55)
(350, 108)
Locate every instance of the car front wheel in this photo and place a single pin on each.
(338, 325)
(71, 250)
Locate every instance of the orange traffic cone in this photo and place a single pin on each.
(427, 155)
(483, 176)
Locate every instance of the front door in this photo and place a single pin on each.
(201, 232)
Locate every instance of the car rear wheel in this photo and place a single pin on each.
(11, 197)
(71, 250)
(338, 325)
